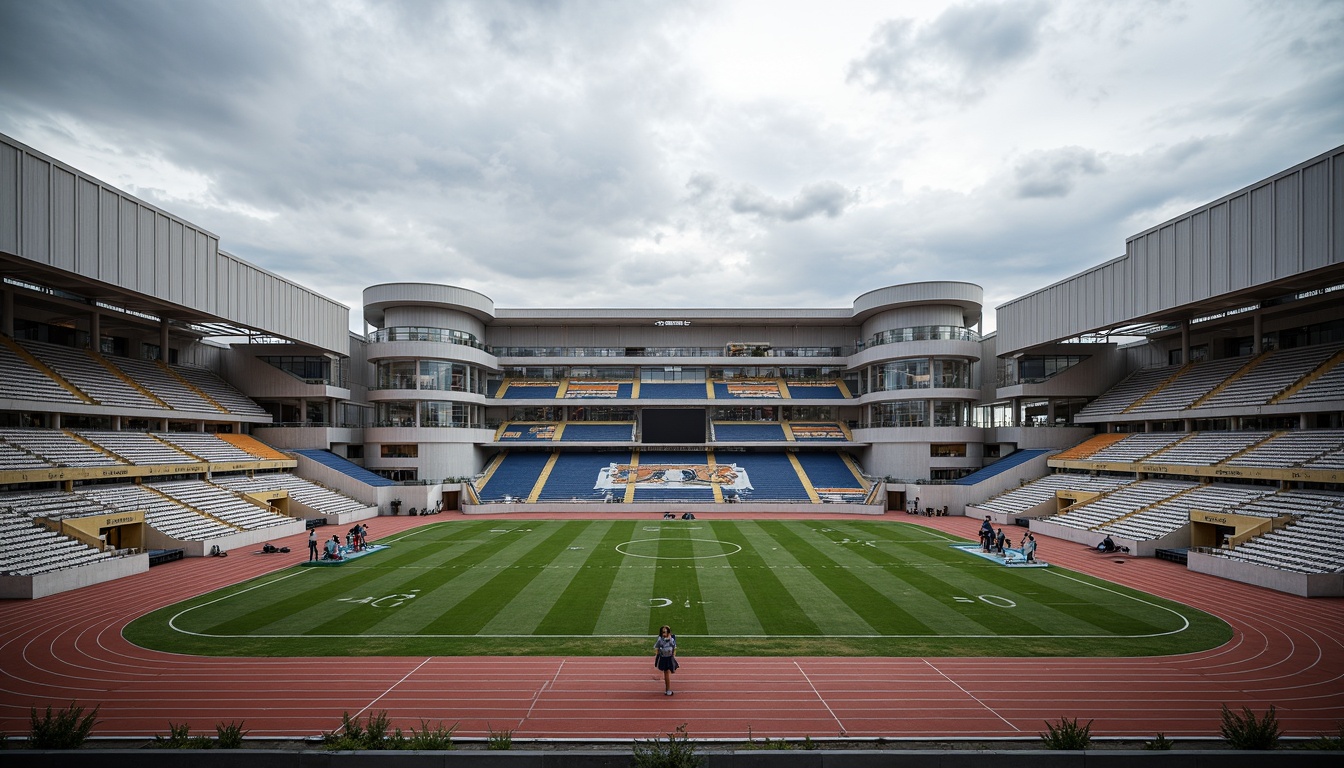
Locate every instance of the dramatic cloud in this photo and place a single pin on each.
(749, 153)
(955, 55)
(1052, 173)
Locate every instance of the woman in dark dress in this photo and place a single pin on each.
(665, 656)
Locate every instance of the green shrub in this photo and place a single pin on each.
(179, 737)
(372, 735)
(1245, 731)
(678, 752)
(1159, 742)
(229, 736)
(1067, 735)
(1326, 742)
(436, 738)
(67, 729)
(499, 739)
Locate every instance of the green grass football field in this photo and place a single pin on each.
(603, 587)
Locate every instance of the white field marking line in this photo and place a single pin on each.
(537, 696)
(173, 621)
(1185, 625)
(973, 697)
(403, 679)
(820, 698)
(1185, 622)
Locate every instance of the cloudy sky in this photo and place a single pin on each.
(674, 154)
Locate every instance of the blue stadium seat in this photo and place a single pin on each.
(517, 391)
(747, 432)
(578, 431)
(772, 477)
(515, 476)
(574, 475)
(672, 391)
(1002, 465)
(527, 431)
(345, 467)
(829, 473)
(816, 391)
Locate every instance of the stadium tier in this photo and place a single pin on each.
(1183, 383)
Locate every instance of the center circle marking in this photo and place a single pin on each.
(663, 557)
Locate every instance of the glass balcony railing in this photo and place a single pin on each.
(923, 333)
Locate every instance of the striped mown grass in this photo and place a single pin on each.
(602, 587)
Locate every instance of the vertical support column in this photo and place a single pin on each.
(1185, 341)
(95, 331)
(163, 339)
(7, 310)
(1257, 329)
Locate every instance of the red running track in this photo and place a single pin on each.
(1286, 651)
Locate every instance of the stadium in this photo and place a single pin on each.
(163, 402)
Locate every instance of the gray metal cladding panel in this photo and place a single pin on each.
(1337, 213)
(126, 244)
(1262, 235)
(163, 233)
(1200, 267)
(1183, 263)
(1288, 226)
(63, 214)
(1239, 243)
(86, 238)
(202, 271)
(1220, 249)
(145, 242)
(1316, 216)
(9, 199)
(173, 274)
(108, 202)
(1167, 267)
(35, 214)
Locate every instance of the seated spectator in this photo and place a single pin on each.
(332, 549)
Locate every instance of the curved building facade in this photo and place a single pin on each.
(894, 376)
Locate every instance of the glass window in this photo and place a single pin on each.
(952, 373)
(445, 414)
(399, 451)
(395, 414)
(900, 374)
(907, 413)
(950, 413)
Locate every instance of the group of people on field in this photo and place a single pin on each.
(994, 542)
(355, 541)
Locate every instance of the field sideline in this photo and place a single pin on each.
(728, 587)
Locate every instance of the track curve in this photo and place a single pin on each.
(1285, 651)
